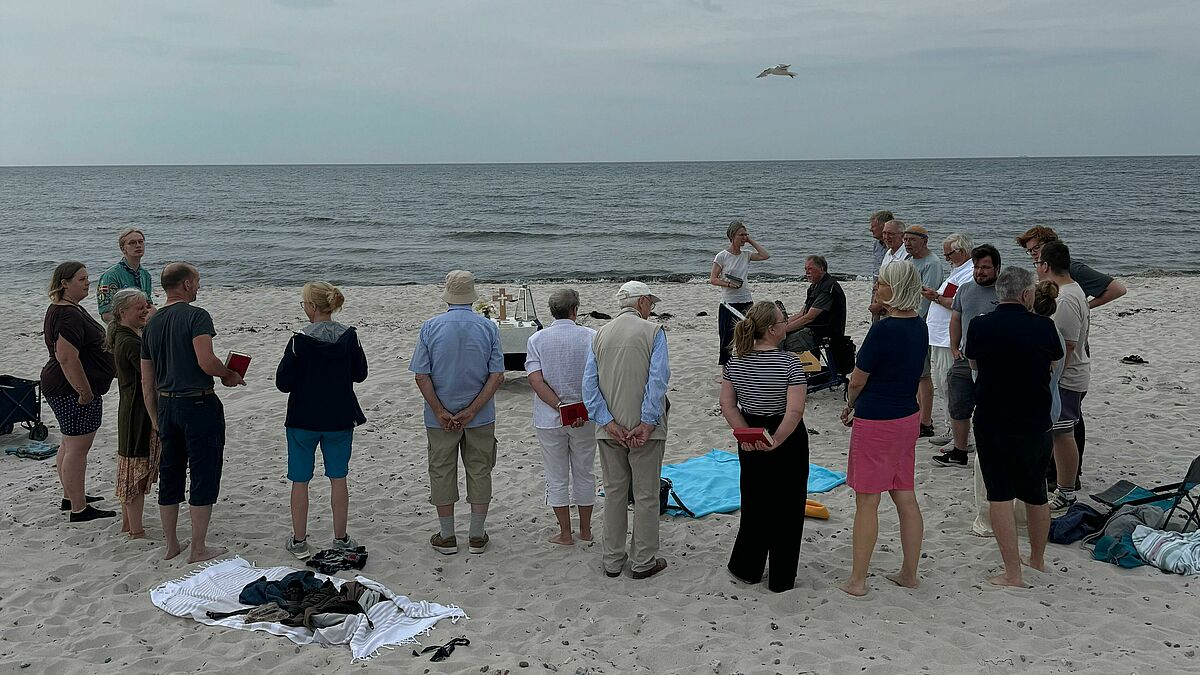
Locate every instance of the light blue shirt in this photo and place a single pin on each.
(653, 401)
(458, 350)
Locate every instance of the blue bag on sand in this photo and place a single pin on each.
(1118, 551)
(1079, 521)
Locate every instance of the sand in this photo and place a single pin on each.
(74, 598)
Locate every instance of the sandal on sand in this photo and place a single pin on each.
(1134, 359)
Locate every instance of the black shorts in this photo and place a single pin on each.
(1013, 465)
(192, 431)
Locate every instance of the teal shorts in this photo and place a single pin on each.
(302, 453)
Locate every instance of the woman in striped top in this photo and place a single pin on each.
(764, 386)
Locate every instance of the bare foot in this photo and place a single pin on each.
(137, 535)
(207, 553)
(585, 535)
(1041, 566)
(856, 589)
(903, 580)
(175, 550)
(1004, 580)
(562, 539)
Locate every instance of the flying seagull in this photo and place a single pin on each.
(781, 69)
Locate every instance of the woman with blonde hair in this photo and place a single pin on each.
(138, 449)
(764, 386)
(882, 411)
(76, 376)
(729, 271)
(320, 366)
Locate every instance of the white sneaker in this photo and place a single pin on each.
(943, 439)
(346, 544)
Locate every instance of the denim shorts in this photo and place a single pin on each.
(302, 453)
(961, 388)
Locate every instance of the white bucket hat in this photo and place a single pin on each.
(460, 288)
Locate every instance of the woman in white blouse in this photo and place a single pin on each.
(729, 273)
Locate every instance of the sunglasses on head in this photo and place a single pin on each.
(443, 652)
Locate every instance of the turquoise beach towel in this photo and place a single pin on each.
(709, 483)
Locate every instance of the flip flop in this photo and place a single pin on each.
(1134, 359)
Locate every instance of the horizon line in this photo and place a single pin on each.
(564, 162)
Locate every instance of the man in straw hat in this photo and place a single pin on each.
(625, 391)
(459, 366)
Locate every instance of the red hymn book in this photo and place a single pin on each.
(238, 362)
(752, 435)
(570, 412)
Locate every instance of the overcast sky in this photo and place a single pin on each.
(314, 81)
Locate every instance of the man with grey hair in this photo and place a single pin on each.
(893, 240)
(554, 359)
(625, 389)
(458, 366)
(956, 249)
(932, 273)
(1013, 352)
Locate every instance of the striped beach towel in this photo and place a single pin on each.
(1169, 551)
(215, 588)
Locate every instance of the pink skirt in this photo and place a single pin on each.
(883, 454)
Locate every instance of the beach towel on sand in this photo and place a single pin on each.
(215, 588)
(1167, 550)
(34, 450)
(710, 483)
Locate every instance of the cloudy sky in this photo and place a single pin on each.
(312, 81)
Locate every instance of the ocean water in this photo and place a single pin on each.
(399, 224)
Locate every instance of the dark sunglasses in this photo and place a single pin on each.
(443, 652)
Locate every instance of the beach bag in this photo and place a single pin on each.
(666, 490)
(1118, 551)
(1079, 521)
(842, 352)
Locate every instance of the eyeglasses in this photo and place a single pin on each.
(443, 652)
(1034, 250)
(1038, 263)
(947, 255)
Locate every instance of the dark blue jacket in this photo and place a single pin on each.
(320, 377)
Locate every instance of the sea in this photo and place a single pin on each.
(256, 225)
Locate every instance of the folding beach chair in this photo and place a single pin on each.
(1179, 495)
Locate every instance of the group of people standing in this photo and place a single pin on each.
(171, 424)
(1007, 357)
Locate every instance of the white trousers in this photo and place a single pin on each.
(940, 361)
(569, 459)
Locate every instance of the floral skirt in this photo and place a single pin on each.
(135, 475)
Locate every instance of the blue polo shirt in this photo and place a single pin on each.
(458, 350)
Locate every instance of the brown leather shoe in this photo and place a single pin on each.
(478, 544)
(444, 545)
(660, 564)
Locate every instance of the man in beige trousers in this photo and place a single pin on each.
(625, 391)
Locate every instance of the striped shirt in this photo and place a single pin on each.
(761, 380)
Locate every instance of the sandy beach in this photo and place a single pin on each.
(75, 598)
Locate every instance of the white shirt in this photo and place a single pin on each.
(938, 318)
(738, 266)
(889, 257)
(560, 351)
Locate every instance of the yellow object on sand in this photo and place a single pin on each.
(815, 509)
(809, 362)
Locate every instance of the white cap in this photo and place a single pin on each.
(635, 289)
